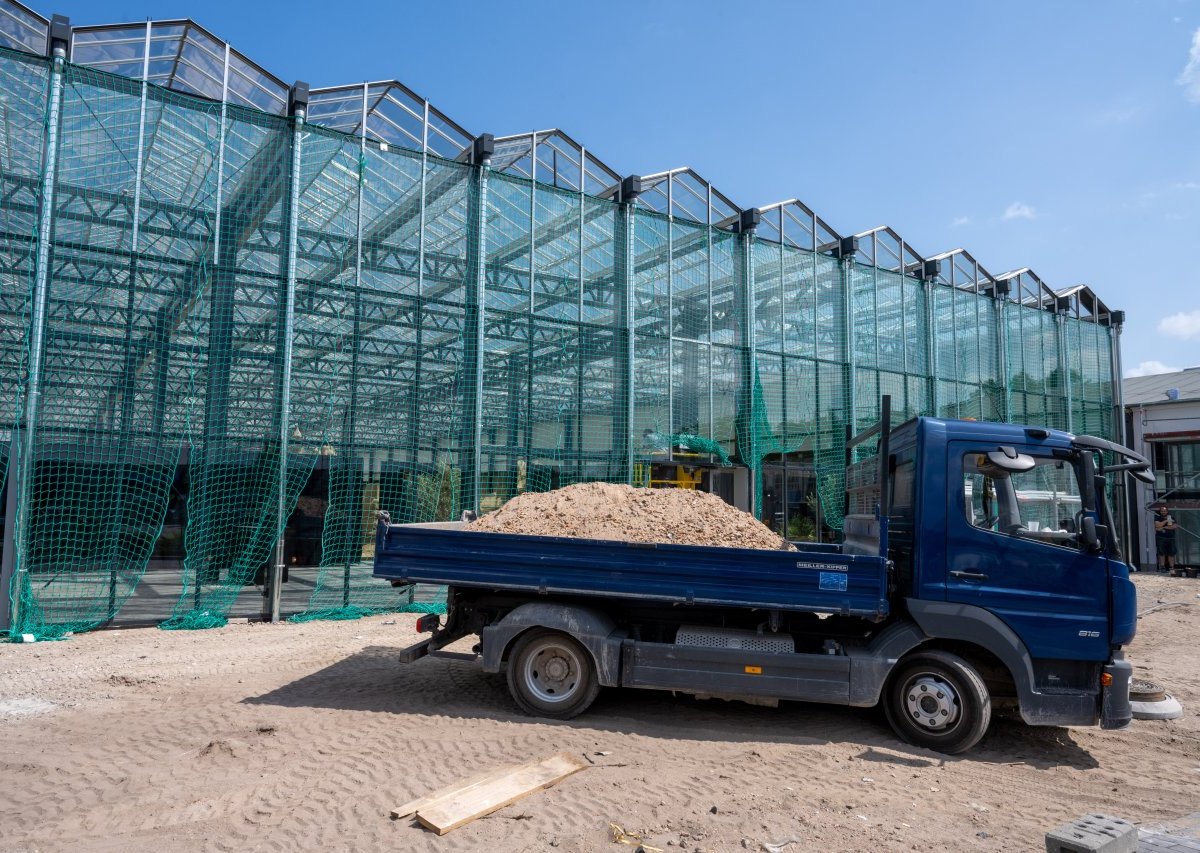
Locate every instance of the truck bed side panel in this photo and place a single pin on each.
(678, 574)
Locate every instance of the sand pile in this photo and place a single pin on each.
(626, 514)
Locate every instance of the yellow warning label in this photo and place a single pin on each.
(754, 670)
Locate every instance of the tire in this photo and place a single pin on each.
(550, 674)
(937, 700)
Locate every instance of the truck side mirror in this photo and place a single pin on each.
(1088, 534)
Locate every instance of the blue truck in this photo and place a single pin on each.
(959, 594)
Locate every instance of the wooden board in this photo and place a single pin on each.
(486, 796)
(449, 791)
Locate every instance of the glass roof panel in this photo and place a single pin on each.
(22, 28)
(682, 192)
(340, 108)
(798, 225)
(116, 50)
(394, 115)
(395, 118)
(446, 138)
(560, 161)
(183, 57)
(771, 226)
(251, 86)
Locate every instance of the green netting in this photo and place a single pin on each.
(253, 325)
(26, 85)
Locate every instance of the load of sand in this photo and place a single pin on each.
(625, 514)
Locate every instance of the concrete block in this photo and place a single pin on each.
(1093, 833)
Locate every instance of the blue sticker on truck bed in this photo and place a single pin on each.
(833, 581)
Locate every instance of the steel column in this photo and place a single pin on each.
(846, 268)
(414, 408)
(8, 564)
(37, 327)
(623, 265)
(271, 610)
(1064, 366)
(749, 381)
(931, 348)
(351, 423)
(471, 444)
(1129, 486)
(128, 372)
(1000, 315)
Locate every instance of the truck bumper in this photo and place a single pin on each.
(1115, 711)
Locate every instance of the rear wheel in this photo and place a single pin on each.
(937, 700)
(551, 675)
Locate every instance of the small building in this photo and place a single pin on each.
(1162, 422)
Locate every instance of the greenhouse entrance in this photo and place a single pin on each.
(790, 505)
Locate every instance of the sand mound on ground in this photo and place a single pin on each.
(626, 514)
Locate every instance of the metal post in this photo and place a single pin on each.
(299, 105)
(1001, 299)
(931, 346)
(747, 249)
(1128, 484)
(623, 266)
(579, 407)
(746, 224)
(128, 373)
(414, 407)
(709, 429)
(353, 533)
(9, 562)
(846, 265)
(670, 332)
(529, 348)
(481, 152)
(1064, 367)
(60, 31)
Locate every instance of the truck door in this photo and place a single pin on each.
(1011, 548)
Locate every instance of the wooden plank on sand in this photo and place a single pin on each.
(449, 791)
(485, 796)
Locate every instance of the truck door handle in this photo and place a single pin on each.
(971, 576)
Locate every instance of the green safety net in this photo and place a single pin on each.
(254, 325)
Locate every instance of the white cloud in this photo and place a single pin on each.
(1189, 78)
(1150, 368)
(1019, 210)
(1188, 185)
(961, 220)
(1185, 324)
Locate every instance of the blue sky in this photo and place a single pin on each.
(1061, 136)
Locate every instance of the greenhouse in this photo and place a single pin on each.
(239, 317)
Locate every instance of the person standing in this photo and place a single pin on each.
(1164, 539)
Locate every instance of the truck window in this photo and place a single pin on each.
(1042, 503)
(903, 484)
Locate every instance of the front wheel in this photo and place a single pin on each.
(937, 700)
(551, 675)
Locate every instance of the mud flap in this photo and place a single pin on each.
(1115, 710)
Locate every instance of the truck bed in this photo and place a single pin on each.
(820, 581)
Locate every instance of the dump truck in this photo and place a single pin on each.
(943, 604)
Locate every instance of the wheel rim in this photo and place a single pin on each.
(932, 703)
(552, 672)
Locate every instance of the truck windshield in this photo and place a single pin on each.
(1042, 503)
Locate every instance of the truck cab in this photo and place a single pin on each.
(1005, 540)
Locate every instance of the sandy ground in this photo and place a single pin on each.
(256, 737)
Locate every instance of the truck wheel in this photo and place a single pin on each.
(937, 700)
(551, 675)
